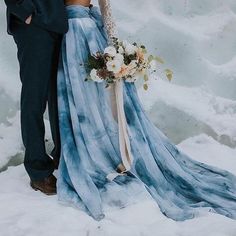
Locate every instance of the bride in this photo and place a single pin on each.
(112, 154)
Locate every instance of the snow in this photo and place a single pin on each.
(218, 113)
(195, 38)
(197, 110)
(28, 213)
(10, 135)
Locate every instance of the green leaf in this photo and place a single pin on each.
(95, 62)
(158, 59)
(150, 58)
(146, 77)
(144, 50)
(169, 74)
(145, 86)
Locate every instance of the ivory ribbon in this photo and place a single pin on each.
(116, 93)
(124, 142)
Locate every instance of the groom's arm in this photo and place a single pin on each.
(23, 9)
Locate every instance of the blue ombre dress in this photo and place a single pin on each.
(180, 186)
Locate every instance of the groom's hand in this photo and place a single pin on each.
(28, 20)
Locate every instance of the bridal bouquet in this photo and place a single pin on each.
(123, 61)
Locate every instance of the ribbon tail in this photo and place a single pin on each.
(124, 141)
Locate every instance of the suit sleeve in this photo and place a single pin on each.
(20, 8)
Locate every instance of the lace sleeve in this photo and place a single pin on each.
(105, 7)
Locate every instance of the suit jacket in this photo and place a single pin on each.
(48, 14)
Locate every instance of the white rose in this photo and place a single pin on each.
(94, 76)
(111, 51)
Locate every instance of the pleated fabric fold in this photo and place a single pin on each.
(180, 186)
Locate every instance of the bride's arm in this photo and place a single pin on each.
(105, 7)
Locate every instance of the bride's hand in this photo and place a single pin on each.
(28, 20)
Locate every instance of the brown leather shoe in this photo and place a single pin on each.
(46, 186)
(55, 162)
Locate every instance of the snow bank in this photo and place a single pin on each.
(215, 115)
(9, 81)
(196, 38)
(197, 41)
(10, 142)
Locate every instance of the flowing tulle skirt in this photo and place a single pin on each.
(180, 186)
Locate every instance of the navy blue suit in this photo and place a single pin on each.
(38, 53)
(48, 14)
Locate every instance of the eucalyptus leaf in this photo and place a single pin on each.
(169, 74)
(145, 86)
(158, 59)
(150, 58)
(146, 77)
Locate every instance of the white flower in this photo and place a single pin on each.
(111, 51)
(94, 76)
(121, 50)
(119, 58)
(130, 49)
(114, 65)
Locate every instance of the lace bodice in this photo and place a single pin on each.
(105, 7)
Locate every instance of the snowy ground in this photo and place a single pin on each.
(28, 213)
(197, 111)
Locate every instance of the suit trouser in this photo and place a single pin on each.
(38, 54)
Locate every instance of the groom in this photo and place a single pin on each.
(37, 27)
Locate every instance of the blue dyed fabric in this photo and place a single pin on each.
(180, 186)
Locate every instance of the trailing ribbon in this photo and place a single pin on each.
(117, 97)
(124, 142)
